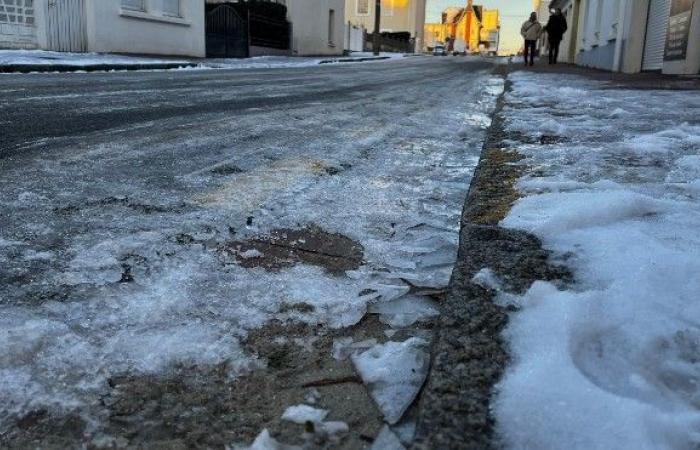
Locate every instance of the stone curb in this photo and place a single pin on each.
(469, 355)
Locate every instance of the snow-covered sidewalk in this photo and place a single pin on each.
(613, 190)
(42, 61)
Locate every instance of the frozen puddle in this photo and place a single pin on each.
(614, 362)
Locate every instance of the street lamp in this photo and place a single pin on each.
(377, 18)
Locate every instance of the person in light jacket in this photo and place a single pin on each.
(531, 31)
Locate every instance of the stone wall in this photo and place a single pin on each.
(17, 26)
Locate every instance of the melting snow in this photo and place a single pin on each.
(405, 311)
(487, 279)
(304, 413)
(387, 440)
(394, 373)
(266, 442)
(614, 363)
(344, 347)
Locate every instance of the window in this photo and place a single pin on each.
(171, 8)
(136, 5)
(387, 8)
(362, 7)
(331, 26)
(17, 11)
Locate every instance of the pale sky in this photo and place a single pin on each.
(513, 14)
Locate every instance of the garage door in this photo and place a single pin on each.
(657, 25)
(65, 25)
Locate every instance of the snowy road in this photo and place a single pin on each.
(137, 215)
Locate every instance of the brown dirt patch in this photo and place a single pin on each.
(494, 187)
(286, 247)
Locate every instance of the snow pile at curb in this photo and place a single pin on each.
(45, 57)
(260, 62)
(615, 361)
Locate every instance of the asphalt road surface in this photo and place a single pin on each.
(136, 261)
(38, 107)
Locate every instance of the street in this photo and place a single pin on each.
(180, 251)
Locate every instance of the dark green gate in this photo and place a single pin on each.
(227, 33)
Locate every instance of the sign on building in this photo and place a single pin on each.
(678, 30)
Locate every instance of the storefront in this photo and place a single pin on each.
(656, 30)
(681, 53)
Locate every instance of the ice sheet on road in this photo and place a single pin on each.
(110, 251)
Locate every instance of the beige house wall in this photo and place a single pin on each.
(635, 34)
(397, 16)
(567, 51)
(315, 30)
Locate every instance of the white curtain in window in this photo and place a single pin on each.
(171, 8)
(133, 4)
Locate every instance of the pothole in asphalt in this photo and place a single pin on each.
(544, 139)
(547, 139)
(226, 169)
(323, 168)
(125, 202)
(282, 248)
(332, 170)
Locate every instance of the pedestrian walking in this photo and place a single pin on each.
(555, 28)
(531, 31)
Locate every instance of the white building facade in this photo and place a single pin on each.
(154, 27)
(610, 35)
(148, 27)
(633, 35)
(18, 24)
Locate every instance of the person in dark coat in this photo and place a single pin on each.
(555, 28)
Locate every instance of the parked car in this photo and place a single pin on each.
(439, 50)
